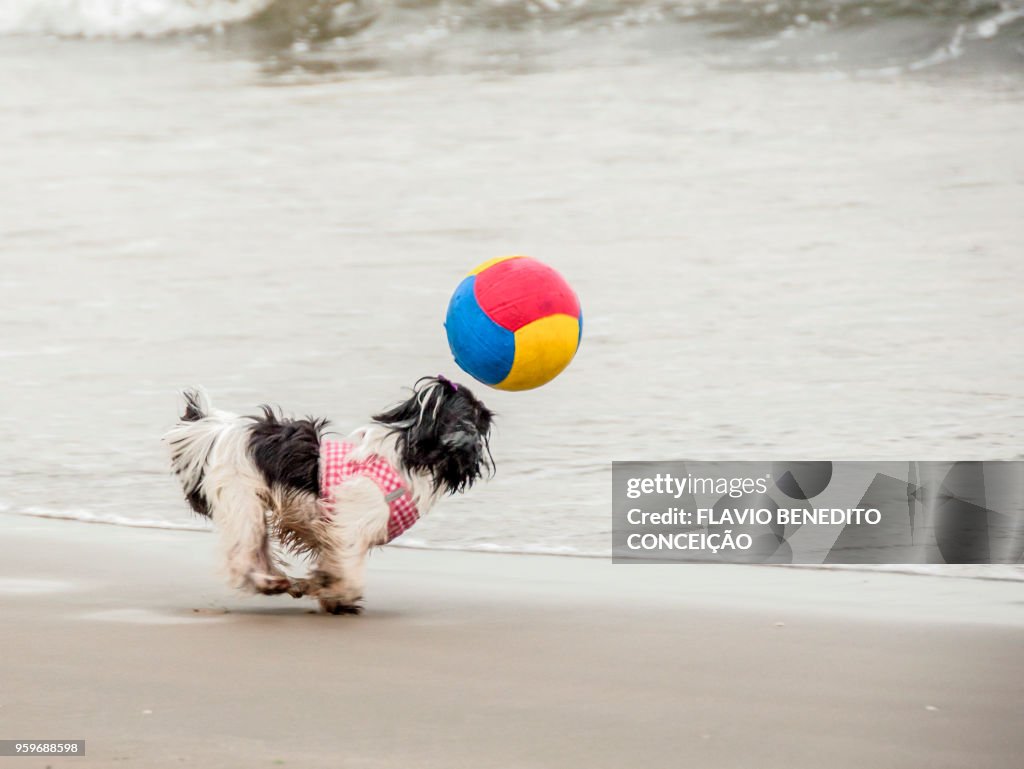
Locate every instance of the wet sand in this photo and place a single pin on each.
(127, 639)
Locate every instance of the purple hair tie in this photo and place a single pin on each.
(445, 380)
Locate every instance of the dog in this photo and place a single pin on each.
(266, 478)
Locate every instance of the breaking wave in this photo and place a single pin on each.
(910, 34)
(123, 18)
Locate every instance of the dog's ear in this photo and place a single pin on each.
(402, 414)
(443, 430)
(418, 423)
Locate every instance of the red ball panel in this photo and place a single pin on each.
(521, 290)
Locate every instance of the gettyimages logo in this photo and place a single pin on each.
(818, 512)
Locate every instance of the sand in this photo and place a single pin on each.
(128, 639)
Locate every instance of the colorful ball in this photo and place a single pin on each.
(514, 323)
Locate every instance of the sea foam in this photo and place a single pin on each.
(122, 18)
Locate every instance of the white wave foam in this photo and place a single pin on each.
(490, 547)
(951, 51)
(989, 28)
(121, 18)
(1011, 572)
(996, 571)
(85, 516)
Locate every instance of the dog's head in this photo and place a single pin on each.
(444, 430)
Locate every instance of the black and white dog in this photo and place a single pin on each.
(265, 478)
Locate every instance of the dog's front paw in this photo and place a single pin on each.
(337, 606)
(299, 588)
(318, 583)
(269, 584)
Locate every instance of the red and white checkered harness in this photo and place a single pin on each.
(335, 467)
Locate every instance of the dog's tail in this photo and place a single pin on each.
(199, 433)
(197, 405)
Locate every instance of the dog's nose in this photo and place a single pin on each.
(458, 439)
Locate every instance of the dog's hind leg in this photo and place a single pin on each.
(267, 578)
(239, 515)
(239, 497)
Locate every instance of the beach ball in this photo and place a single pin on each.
(513, 323)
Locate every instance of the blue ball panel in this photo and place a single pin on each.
(481, 347)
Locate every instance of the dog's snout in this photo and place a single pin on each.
(460, 439)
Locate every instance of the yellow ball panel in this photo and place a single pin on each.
(491, 262)
(543, 349)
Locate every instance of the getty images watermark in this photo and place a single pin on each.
(815, 512)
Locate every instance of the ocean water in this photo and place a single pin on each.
(795, 227)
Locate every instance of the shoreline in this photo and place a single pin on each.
(988, 572)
